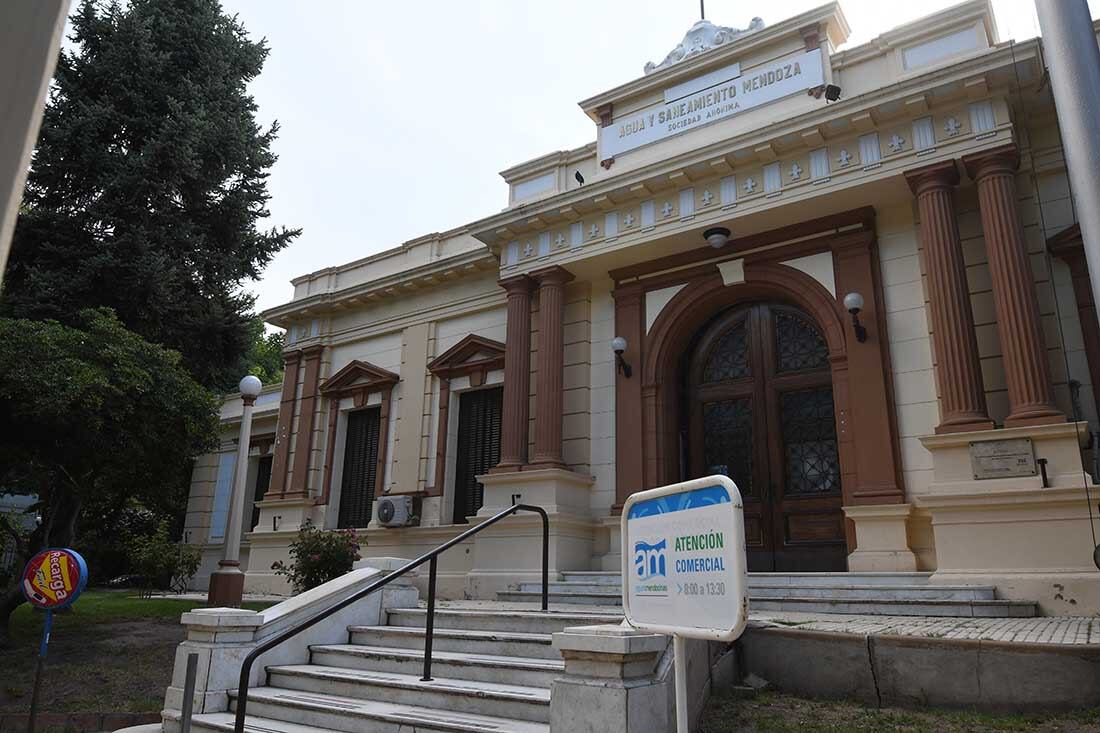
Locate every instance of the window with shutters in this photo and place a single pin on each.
(478, 447)
(360, 468)
(263, 481)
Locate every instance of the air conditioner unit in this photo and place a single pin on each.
(396, 511)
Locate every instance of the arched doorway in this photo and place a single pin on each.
(758, 407)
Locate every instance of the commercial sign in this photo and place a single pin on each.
(54, 578)
(684, 570)
(714, 96)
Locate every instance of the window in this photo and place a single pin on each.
(360, 468)
(263, 481)
(478, 447)
(223, 489)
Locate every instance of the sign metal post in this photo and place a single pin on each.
(684, 567)
(52, 580)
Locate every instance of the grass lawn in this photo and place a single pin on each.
(112, 652)
(777, 713)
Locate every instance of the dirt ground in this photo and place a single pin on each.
(121, 667)
(776, 713)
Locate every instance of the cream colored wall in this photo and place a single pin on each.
(907, 326)
(601, 396)
(577, 378)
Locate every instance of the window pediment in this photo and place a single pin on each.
(359, 375)
(471, 354)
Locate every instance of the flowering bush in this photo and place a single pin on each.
(317, 556)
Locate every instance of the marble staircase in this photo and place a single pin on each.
(880, 594)
(492, 670)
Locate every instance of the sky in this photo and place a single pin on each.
(396, 117)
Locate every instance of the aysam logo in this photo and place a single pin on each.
(649, 559)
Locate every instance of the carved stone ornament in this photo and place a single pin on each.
(703, 36)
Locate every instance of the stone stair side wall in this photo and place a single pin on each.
(222, 637)
(622, 679)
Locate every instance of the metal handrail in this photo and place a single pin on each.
(246, 666)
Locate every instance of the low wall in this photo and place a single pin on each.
(907, 671)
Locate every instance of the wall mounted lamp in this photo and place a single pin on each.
(854, 303)
(717, 237)
(618, 345)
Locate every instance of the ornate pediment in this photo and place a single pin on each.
(702, 37)
(359, 375)
(471, 354)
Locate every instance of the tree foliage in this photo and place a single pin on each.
(265, 356)
(93, 413)
(149, 183)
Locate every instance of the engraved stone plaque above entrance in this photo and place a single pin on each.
(713, 96)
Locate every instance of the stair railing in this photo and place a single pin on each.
(429, 557)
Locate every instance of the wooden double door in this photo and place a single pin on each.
(760, 410)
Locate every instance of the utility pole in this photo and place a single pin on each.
(1071, 53)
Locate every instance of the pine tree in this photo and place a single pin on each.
(149, 183)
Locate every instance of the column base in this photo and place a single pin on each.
(882, 542)
(964, 427)
(226, 587)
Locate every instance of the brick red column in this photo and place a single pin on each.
(303, 439)
(517, 375)
(958, 369)
(1030, 394)
(550, 367)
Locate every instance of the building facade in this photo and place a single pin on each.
(729, 216)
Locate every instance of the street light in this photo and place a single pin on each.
(227, 582)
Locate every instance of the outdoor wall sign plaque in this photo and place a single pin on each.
(1009, 458)
(684, 566)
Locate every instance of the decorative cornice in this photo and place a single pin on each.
(427, 276)
(700, 38)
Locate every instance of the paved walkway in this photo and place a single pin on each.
(1045, 630)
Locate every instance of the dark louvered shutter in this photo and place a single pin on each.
(478, 447)
(263, 481)
(360, 468)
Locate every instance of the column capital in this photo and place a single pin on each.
(1002, 159)
(516, 284)
(937, 175)
(555, 275)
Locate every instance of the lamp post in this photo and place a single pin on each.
(227, 582)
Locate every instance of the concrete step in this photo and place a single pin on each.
(528, 672)
(602, 577)
(501, 643)
(510, 620)
(609, 597)
(960, 592)
(838, 579)
(517, 702)
(857, 601)
(274, 710)
(894, 592)
(896, 607)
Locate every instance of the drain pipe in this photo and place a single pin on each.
(1071, 54)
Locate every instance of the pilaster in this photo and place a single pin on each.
(551, 365)
(517, 375)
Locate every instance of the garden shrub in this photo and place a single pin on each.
(318, 556)
(161, 563)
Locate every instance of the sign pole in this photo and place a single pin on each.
(679, 657)
(52, 580)
(47, 626)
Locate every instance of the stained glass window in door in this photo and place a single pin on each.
(727, 439)
(809, 441)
